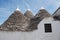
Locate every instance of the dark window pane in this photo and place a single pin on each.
(48, 28)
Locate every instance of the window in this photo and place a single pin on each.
(48, 28)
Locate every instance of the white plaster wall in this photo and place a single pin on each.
(38, 34)
(54, 35)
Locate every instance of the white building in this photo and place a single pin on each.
(48, 29)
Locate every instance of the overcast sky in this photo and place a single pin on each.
(7, 7)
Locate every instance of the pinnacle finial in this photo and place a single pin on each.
(18, 9)
(29, 9)
(42, 8)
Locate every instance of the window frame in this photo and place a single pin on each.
(48, 29)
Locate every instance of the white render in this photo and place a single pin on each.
(42, 8)
(28, 9)
(38, 34)
(55, 34)
(17, 9)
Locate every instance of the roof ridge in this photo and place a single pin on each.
(56, 11)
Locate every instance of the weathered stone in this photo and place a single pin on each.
(29, 14)
(27, 22)
(37, 18)
(41, 15)
(17, 21)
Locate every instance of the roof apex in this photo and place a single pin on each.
(42, 8)
(17, 9)
(28, 9)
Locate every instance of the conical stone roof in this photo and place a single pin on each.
(56, 14)
(38, 17)
(42, 14)
(16, 22)
(19, 22)
(28, 14)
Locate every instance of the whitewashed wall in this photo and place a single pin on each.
(38, 34)
(55, 34)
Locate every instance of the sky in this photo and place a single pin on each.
(7, 7)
